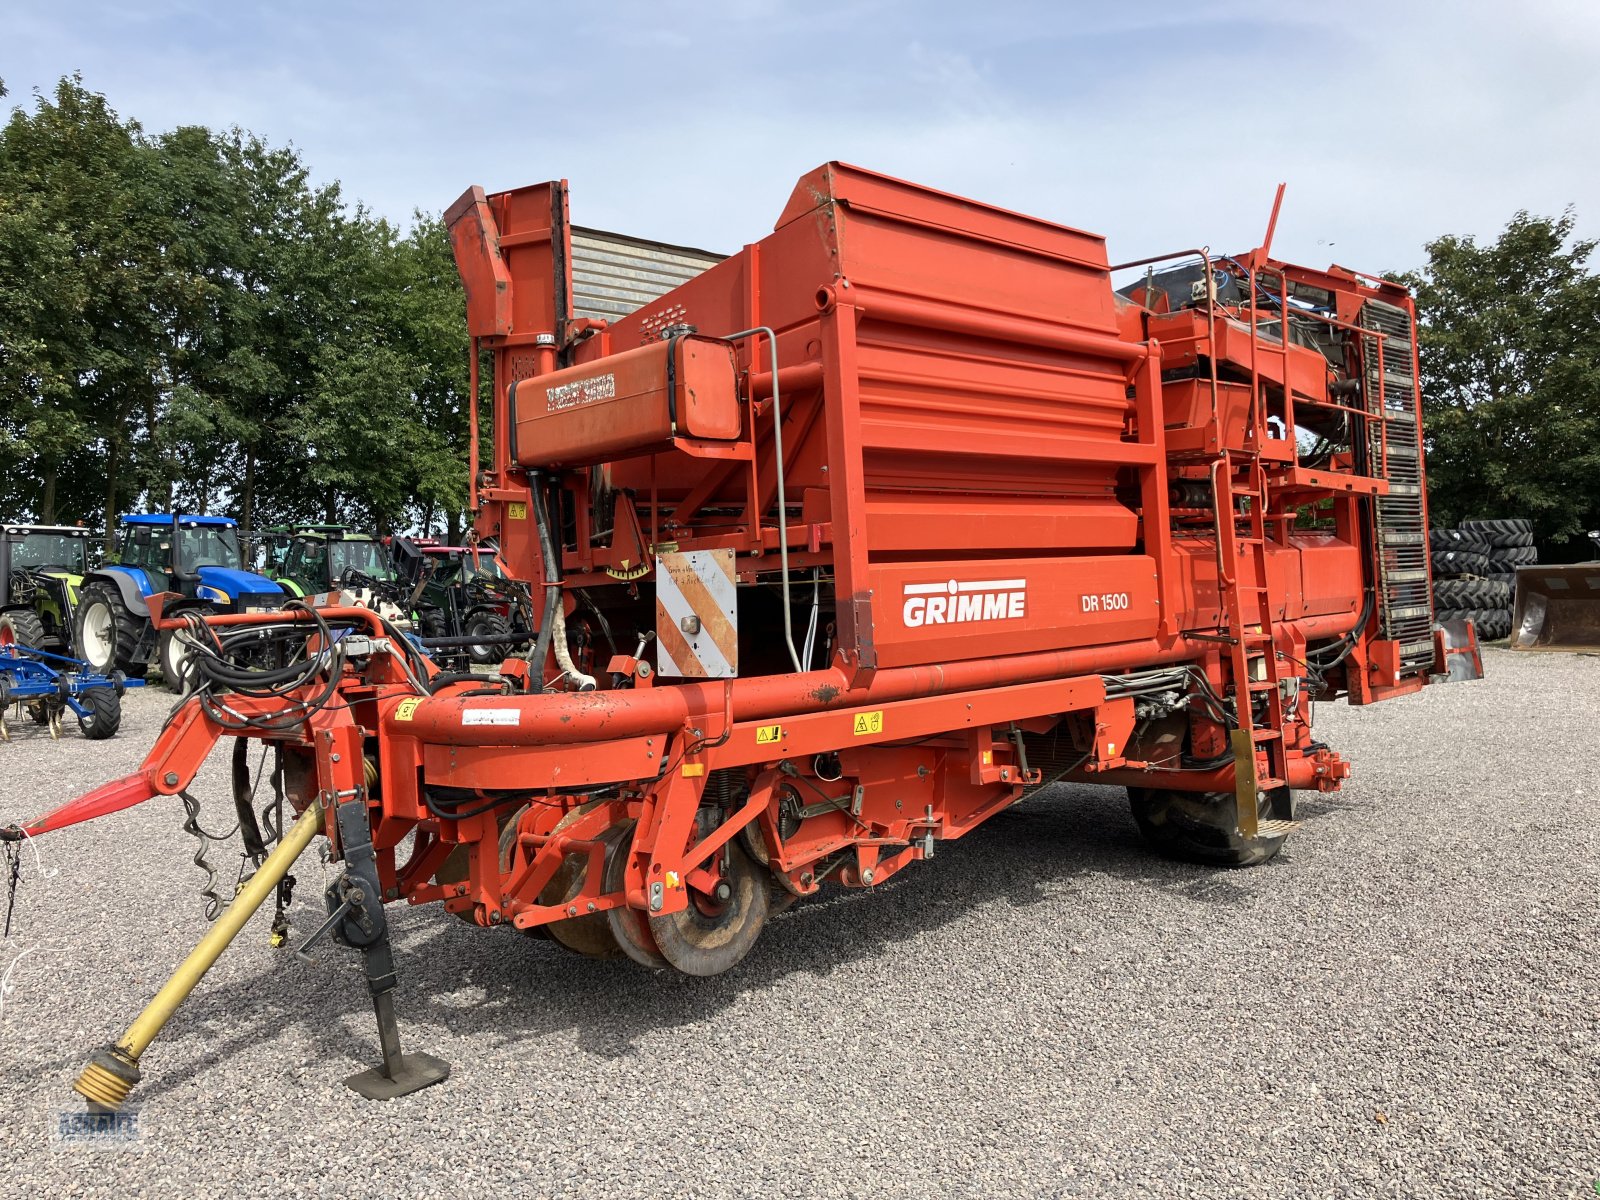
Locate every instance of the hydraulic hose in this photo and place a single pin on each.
(553, 628)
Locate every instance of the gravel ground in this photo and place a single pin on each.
(1402, 1004)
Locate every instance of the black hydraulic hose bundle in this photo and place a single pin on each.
(552, 575)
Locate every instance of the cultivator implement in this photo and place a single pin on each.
(841, 548)
(48, 687)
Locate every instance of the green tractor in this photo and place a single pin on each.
(326, 558)
(41, 569)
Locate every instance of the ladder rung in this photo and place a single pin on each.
(1266, 735)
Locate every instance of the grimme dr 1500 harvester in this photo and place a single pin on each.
(851, 541)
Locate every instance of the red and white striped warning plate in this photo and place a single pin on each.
(697, 615)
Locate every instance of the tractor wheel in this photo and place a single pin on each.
(174, 656)
(108, 633)
(21, 627)
(487, 623)
(1198, 826)
(712, 934)
(104, 715)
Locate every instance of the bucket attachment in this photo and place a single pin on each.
(1557, 608)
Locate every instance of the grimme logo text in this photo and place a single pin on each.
(955, 602)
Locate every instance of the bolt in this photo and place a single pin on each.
(724, 892)
(591, 906)
(805, 878)
(866, 876)
(336, 757)
(572, 910)
(392, 894)
(170, 779)
(494, 917)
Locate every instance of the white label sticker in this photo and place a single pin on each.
(491, 716)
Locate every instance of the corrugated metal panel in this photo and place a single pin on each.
(613, 275)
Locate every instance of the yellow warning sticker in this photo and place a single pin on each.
(407, 709)
(517, 511)
(691, 770)
(767, 734)
(869, 722)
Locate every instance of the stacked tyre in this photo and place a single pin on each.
(1475, 571)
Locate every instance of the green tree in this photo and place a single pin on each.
(1510, 352)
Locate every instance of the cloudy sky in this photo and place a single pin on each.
(1161, 125)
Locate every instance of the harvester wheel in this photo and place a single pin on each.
(21, 627)
(709, 935)
(1198, 826)
(629, 927)
(104, 715)
(587, 933)
(487, 623)
(108, 632)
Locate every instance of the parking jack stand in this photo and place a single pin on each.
(356, 918)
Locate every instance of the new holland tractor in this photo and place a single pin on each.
(196, 557)
(41, 571)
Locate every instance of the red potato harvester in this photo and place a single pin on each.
(847, 543)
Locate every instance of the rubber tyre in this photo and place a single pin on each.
(21, 627)
(105, 713)
(1513, 556)
(487, 623)
(1198, 826)
(1471, 593)
(120, 635)
(1502, 531)
(1495, 625)
(167, 646)
(1457, 539)
(1450, 563)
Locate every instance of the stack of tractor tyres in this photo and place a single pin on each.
(1475, 571)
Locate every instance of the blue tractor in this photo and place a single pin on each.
(196, 557)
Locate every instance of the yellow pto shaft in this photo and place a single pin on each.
(111, 1074)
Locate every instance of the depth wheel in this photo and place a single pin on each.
(629, 927)
(589, 934)
(710, 936)
(104, 713)
(1199, 827)
(508, 847)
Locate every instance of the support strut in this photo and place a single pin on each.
(356, 918)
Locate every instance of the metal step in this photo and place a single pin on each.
(1275, 829)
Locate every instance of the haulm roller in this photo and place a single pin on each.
(839, 547)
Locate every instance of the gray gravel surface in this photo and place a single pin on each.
(1403, 1004)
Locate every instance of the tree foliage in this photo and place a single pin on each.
(186, 320)
(1510, 351)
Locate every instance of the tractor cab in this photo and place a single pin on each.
(322, 558)
(197, 557)
(41, 569)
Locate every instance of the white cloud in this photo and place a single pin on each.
(1158, 125)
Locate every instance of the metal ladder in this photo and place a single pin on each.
(1405, 607)
(1247, 614)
